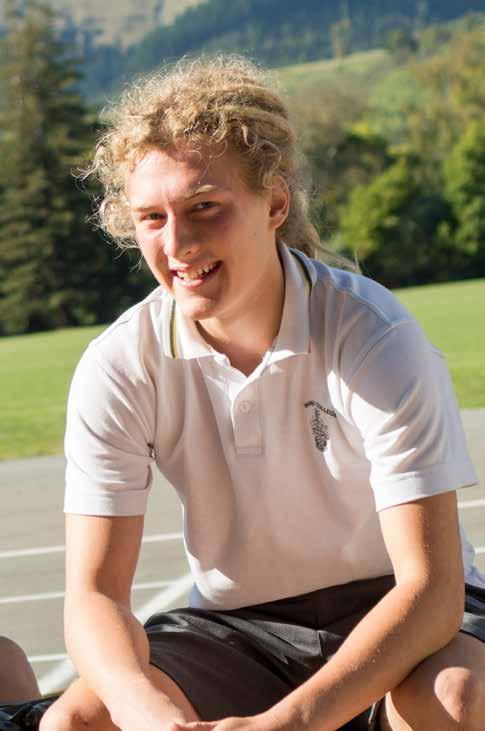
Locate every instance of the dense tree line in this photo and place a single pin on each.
(54, 269)
(400, 183)
(410, 207)
(283, 31)
(278, 32)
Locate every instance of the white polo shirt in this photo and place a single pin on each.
(281, 473)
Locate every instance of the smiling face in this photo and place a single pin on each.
(207, 238)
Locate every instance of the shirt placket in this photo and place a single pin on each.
(246, 420)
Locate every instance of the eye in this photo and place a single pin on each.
(205, 205)
(153, 216)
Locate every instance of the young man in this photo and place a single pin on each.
(305, 421)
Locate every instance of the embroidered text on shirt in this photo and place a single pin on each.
(319, 428)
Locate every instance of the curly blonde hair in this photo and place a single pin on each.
(223, 101)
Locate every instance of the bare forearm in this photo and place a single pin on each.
(110, 650)
(105, 641)
(406, 626)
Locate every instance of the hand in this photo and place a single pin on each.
(250, 723)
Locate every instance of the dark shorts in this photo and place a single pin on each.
(243, 661)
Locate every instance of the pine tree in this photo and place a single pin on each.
(54, 270)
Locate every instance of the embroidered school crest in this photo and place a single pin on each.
(318, 426)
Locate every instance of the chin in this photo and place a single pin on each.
(197, 310)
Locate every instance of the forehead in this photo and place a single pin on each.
(182, 174)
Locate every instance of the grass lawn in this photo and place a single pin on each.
(453, 317)
(35, 370)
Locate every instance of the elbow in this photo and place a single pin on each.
(441, 605)
(458, 607)
(447, 611)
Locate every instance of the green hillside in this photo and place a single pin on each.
(276, 32)
(280, 32)
(363, 67)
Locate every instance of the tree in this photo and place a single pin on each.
(54, 271)
(395, 227)
(452, 95)
(341, 33)
(341, 153)
(402, 43)
(464, 173)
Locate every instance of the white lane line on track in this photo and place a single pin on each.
(471, 504)
(57, 678)
(44, 550)
(48, 658)
(162, 537)
(41, 596)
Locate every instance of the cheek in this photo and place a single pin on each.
(228, 222)
(152, 251)
(149, 243)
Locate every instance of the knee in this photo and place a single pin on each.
(11, 654)
(17, 679)
(453, 699)
(461, 694)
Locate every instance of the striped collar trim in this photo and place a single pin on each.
(182, 339)
(173, 330)
(306, 266)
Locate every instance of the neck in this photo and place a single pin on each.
(246, 339)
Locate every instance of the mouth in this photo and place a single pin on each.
(195, 277)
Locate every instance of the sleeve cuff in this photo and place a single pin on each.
(410, 486)
(133, 502)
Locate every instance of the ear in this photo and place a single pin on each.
(279, 202)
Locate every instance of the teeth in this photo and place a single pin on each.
(196, 273)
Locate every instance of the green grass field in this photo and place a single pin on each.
(452, 316)
(35, 370)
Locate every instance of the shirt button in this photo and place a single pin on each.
(245, 407)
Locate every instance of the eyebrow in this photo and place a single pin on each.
(200, 191)
(192, 193)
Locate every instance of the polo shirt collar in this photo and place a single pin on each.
(294, 333)
(182, 339)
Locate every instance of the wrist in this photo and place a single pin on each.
(285, 716)
(129, 695)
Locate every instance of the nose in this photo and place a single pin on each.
(179, 239)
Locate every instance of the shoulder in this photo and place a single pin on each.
(351, 314)
(119, 373)
(359, 295)
(136, 339)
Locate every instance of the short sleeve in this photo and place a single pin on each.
(403, 404)
(110, 423)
